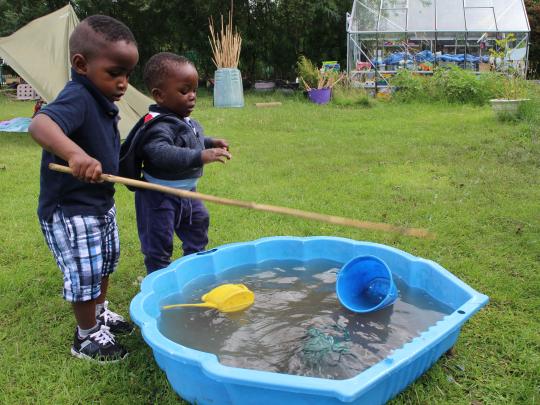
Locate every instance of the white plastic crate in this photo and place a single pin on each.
(26, 92)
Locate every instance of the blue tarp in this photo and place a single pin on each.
(19, 124)
(427, 56)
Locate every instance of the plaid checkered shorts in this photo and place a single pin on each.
(86, 248)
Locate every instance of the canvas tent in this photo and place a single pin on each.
(39, 53)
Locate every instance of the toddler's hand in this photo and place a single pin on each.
(221, 143)
(215, 155)
(85, 168)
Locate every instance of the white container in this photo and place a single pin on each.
(504, 106)
(261, 85)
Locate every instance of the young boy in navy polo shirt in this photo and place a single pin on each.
(77, 213)
(172, 149)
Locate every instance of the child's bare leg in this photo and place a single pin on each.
(116, 323)
(85, 313)
(104, 287)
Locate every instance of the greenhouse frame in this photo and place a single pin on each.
(384, 36)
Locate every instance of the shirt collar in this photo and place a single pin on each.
(108, 106)
(163, 110)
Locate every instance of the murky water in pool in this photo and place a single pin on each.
(297, 325)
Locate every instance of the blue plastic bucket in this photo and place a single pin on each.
(365, 284)
(228, 89)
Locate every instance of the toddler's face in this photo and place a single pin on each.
(178, 92)
(110, 70)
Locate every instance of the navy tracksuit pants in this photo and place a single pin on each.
(159, 217)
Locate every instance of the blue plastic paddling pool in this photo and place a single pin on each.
(198, 377)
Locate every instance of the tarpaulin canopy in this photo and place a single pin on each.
(39, 53)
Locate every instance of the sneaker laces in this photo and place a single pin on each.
(110, 316)
(103, 336)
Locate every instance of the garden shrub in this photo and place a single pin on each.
(453, 85)
(409, 86)
(493, 85)
(457, 85)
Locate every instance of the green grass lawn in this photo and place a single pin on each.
(453, 169)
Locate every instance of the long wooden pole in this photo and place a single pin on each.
(331, 219)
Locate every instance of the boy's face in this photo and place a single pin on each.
(178, 92)
(109, 70)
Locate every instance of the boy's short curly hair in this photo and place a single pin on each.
(88, 37)
(158, 67)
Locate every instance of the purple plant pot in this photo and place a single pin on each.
(320, 96)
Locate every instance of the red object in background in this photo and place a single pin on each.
(38, 106)
(363, 65)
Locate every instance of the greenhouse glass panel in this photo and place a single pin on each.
(374, 5)
(450, 15)
(394, 4)
(443, 37)
(393, 20)
(519, 52)
(478, 3)
(365, 16)
(480, 19)
(510, 16)
(421, 15)
(422, 37)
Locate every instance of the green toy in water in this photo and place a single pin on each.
(322, 347)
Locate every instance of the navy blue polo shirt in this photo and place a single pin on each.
(90, 120)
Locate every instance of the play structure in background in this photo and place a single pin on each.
(14, 87)
(11, 81)
(26, 92)
(420, 35)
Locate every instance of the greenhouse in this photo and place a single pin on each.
(384, 36)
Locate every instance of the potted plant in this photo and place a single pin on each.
(514, 89)
(226, 45)
(317, 82)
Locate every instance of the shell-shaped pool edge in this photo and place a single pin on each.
(199, 377)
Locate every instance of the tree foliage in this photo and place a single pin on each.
(533, 11)
(16, 13)
(274, 32)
